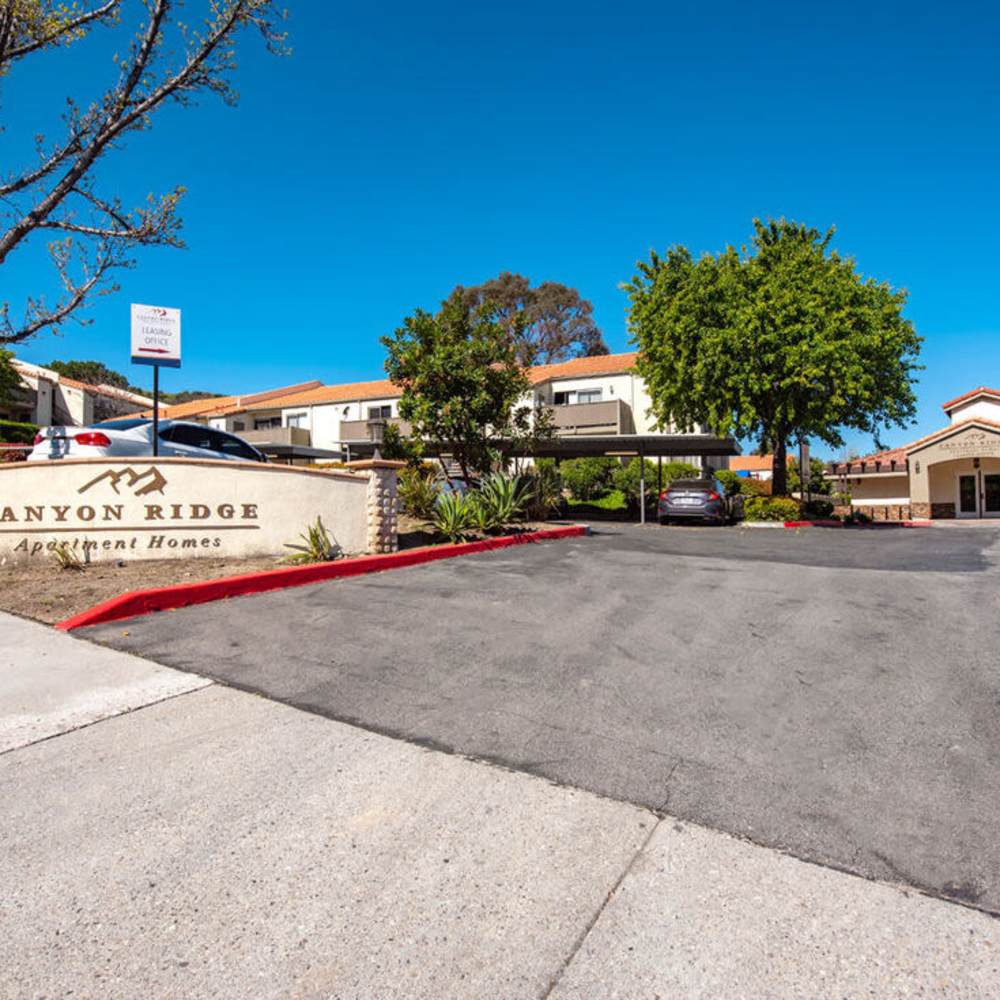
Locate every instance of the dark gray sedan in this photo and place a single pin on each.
(698, 499)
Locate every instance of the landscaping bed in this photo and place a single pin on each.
(48, 593)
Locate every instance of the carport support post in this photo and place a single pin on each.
(642, 487)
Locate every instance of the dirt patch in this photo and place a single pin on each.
(46, 592)
(49, 594)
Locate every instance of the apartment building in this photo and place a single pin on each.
(599, 405)
(47, 398)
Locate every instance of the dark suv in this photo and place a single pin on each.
(698, 499)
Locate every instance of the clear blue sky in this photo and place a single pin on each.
(402, 149)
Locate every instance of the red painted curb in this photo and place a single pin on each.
(142, 602)
(867, 524)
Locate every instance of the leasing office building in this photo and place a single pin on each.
(952, 473)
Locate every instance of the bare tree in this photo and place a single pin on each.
(167, 61)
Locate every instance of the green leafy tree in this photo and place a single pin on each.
(780, 341)
(550, 322)
(10, 381)
(462, 387)
(818, 483)
(91, 372)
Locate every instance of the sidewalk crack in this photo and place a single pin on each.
(585, 933)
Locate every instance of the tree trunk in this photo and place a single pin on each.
(779, 468)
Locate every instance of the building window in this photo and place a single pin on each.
(265, 423)
(588, 396)
(560, 398)
(238, 425)
(379, 412)
(295, 420)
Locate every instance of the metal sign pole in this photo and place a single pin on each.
(156, 410)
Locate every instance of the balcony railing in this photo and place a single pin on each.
(277, 435)
(612, 416)
(357, 430)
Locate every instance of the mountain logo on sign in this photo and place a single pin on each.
(148, 481)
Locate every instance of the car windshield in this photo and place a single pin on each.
(125, 424)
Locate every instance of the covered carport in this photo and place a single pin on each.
(675, 446)
(659, 446)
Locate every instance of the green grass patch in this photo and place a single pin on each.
(613, 500)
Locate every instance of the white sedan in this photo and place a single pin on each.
(132, 436)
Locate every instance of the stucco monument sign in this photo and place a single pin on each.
(144, 508)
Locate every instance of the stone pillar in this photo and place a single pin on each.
(381, 508)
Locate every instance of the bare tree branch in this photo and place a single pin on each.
(49, 195)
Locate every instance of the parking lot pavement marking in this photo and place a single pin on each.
(224, 845)
(702, 915)
(51, 683)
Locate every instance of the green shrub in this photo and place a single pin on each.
(453, 516)
(750, 487)
(499, 501)
(587, 478)
(418, 489)
(857, 517)
(12, 432)
(679, 470)
(732, 481)
(546, 490)
(818, 508)
(626, 478)
(771, 509)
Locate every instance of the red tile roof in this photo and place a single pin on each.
(599, 364)
(884, 459)
(971, 394)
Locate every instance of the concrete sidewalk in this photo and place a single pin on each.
(51, 683)
(221, 844)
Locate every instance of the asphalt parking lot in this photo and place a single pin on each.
(834, 694)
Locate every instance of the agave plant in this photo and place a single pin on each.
(317, 545)
(503, 499)
(480, 514)
(65, 556)
(545, 492)
(453, 516)
(418, 491)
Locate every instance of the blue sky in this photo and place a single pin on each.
(400, 150)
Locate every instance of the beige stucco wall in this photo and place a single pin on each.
(146, 508)
(987, 408)
(933, 467)
(943, 477)
(878, 490)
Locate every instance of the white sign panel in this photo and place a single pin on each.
(156, 336)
